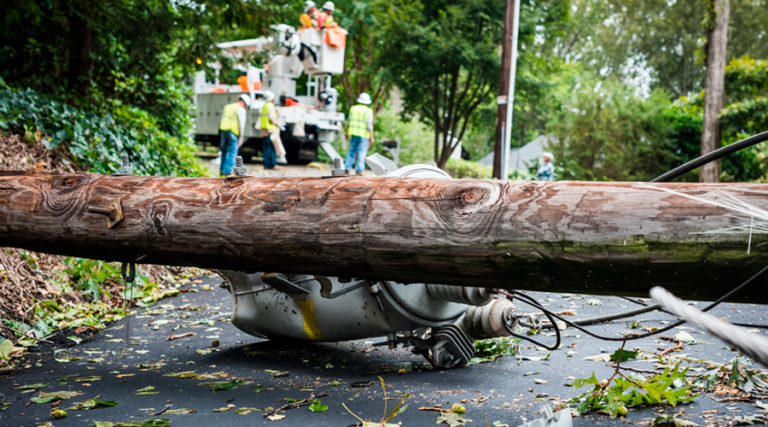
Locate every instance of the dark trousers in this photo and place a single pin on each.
(268, 153)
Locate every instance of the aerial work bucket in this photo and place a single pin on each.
(336, 37)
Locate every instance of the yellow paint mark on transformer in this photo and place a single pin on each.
(310, 321)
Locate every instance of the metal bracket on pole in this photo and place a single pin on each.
(113, 212)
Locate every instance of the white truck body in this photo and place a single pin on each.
(310, 120)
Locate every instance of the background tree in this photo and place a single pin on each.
(364, 70)
(443, 56)
(718, 13)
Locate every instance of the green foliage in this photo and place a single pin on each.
(96, 141)
(605, 132)
(317, 406)
(89, 275)
(745, 114)
(443, 56)
(490, 349)
(626, 391)
(738, 373)
(460, 168)
(365, 71)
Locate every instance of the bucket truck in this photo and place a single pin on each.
(310, 120)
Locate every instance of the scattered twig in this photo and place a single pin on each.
(644, 371)
(295, 405)
(665, 352)
(184, 335)
(616, 372)
(160, 412)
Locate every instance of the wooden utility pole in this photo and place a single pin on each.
(714, 85)
(506, 60)
(609, 238)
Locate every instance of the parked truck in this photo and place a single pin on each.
(309, 121)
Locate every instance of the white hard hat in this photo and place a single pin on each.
(329, 6)
(548, 155)
(364, 98)
(308, 5)
(245, 98)
(269, 95)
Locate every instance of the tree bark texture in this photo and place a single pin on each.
(714, 86)
(501, 110)
(576, 237)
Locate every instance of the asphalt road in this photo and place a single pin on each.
(498, 390)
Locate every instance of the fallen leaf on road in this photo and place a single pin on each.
(86, 379)
(276, 417)
(222, 385)
(44, 397)
(180, 411)
(224, 409)
(277, 374)
(93, 403)
(145, 391)
(31, 386)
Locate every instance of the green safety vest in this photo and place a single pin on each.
(265, 123)
(229, 119)
(358, 121)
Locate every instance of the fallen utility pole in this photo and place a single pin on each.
(609, 238)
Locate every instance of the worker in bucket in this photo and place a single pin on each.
(359, 133)
(232, 132)
(326, 16)
(547, 171)
(271, 145)
(310, 16)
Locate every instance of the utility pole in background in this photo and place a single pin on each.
(714, 86)
(501, 112)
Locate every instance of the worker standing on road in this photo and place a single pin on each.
(310, 16)
(359, 133)
(326, 16)
(232, 133)
(271, 145)
(547, 171)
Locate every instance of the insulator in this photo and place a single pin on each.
(488, 321)
(461, 294)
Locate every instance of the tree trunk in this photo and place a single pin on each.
(714, 86)
(80, 49)
(576, 237)
(501, 111)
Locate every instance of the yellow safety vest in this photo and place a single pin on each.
(358, 121)
(265, 123)
(229, 119)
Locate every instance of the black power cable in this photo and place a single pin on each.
(529, 300)
(533, 303)
(712, 156)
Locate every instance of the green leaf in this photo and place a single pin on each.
(452, 419)
(221, 385)
(180, 411)
(94, 403)
(317, 406)
(31, 386)
(6, 348)
(44, 397)
(625, 354)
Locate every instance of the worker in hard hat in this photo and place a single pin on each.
(326, 16)
(359, 133)
(232, 132)
(547, 171)
(271, 145)
(310, 16)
